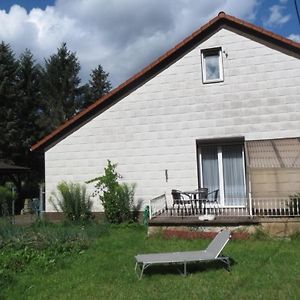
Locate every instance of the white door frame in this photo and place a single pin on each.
(221, 174)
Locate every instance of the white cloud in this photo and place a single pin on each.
(121, 35)
(277, 16)
(294, 37)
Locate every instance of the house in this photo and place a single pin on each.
(220, 110)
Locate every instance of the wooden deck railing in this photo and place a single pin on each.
(259, 207)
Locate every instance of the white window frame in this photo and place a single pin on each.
(203, 63)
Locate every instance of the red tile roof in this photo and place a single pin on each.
(222, 20)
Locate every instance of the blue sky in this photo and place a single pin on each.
(27, 4)
(111, 32)
(285, 21)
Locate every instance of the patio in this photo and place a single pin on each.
(162, 211)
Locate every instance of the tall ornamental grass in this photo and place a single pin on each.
(73, 201)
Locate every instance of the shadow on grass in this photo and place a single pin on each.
(192, 268)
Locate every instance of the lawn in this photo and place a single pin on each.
(262, 269)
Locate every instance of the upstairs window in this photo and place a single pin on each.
(212, 66)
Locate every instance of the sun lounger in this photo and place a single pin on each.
(212, 253)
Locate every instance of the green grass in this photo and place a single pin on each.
(262, 269)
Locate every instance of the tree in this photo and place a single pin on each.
(98, 86)
(28, 105)
(8, 72)
(99, 83)
(59, 88)
(19, 110)
(28, 113)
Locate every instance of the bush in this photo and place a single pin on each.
(6, 198)
(72, 201)
(125, 198)
(117, 199)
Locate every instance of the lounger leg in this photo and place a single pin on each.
(184, 269)
(228, 264)
(226, 261)
(142, 271)
(143, 268)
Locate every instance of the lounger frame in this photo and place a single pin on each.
(212, 253)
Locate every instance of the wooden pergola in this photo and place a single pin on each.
(9, 169)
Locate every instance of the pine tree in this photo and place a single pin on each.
(8, 75)
(59, 88)
(28, 111)
(98, 86)
(28, 104)
(19, 109)
(21, 126)
(99, 83)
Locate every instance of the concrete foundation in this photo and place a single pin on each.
(272, 227)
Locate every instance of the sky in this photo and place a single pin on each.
(126, 35)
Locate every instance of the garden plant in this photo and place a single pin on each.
(116, 198)
(73, 201)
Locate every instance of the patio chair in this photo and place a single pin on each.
(180, 199)
(213, 201)
(212, 253)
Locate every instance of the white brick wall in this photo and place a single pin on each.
(155, 127)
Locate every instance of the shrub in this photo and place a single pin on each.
(6, 198)
(117, 199)
(125, 197)
(73, 201)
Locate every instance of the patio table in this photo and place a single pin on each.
(196, 199)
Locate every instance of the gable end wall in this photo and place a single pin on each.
(155, 128)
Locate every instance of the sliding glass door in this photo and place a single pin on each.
(222, 168)
(210, 169)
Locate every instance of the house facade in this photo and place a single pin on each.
(220, 110)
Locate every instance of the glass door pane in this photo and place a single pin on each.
(233, 173)
(210, 170)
